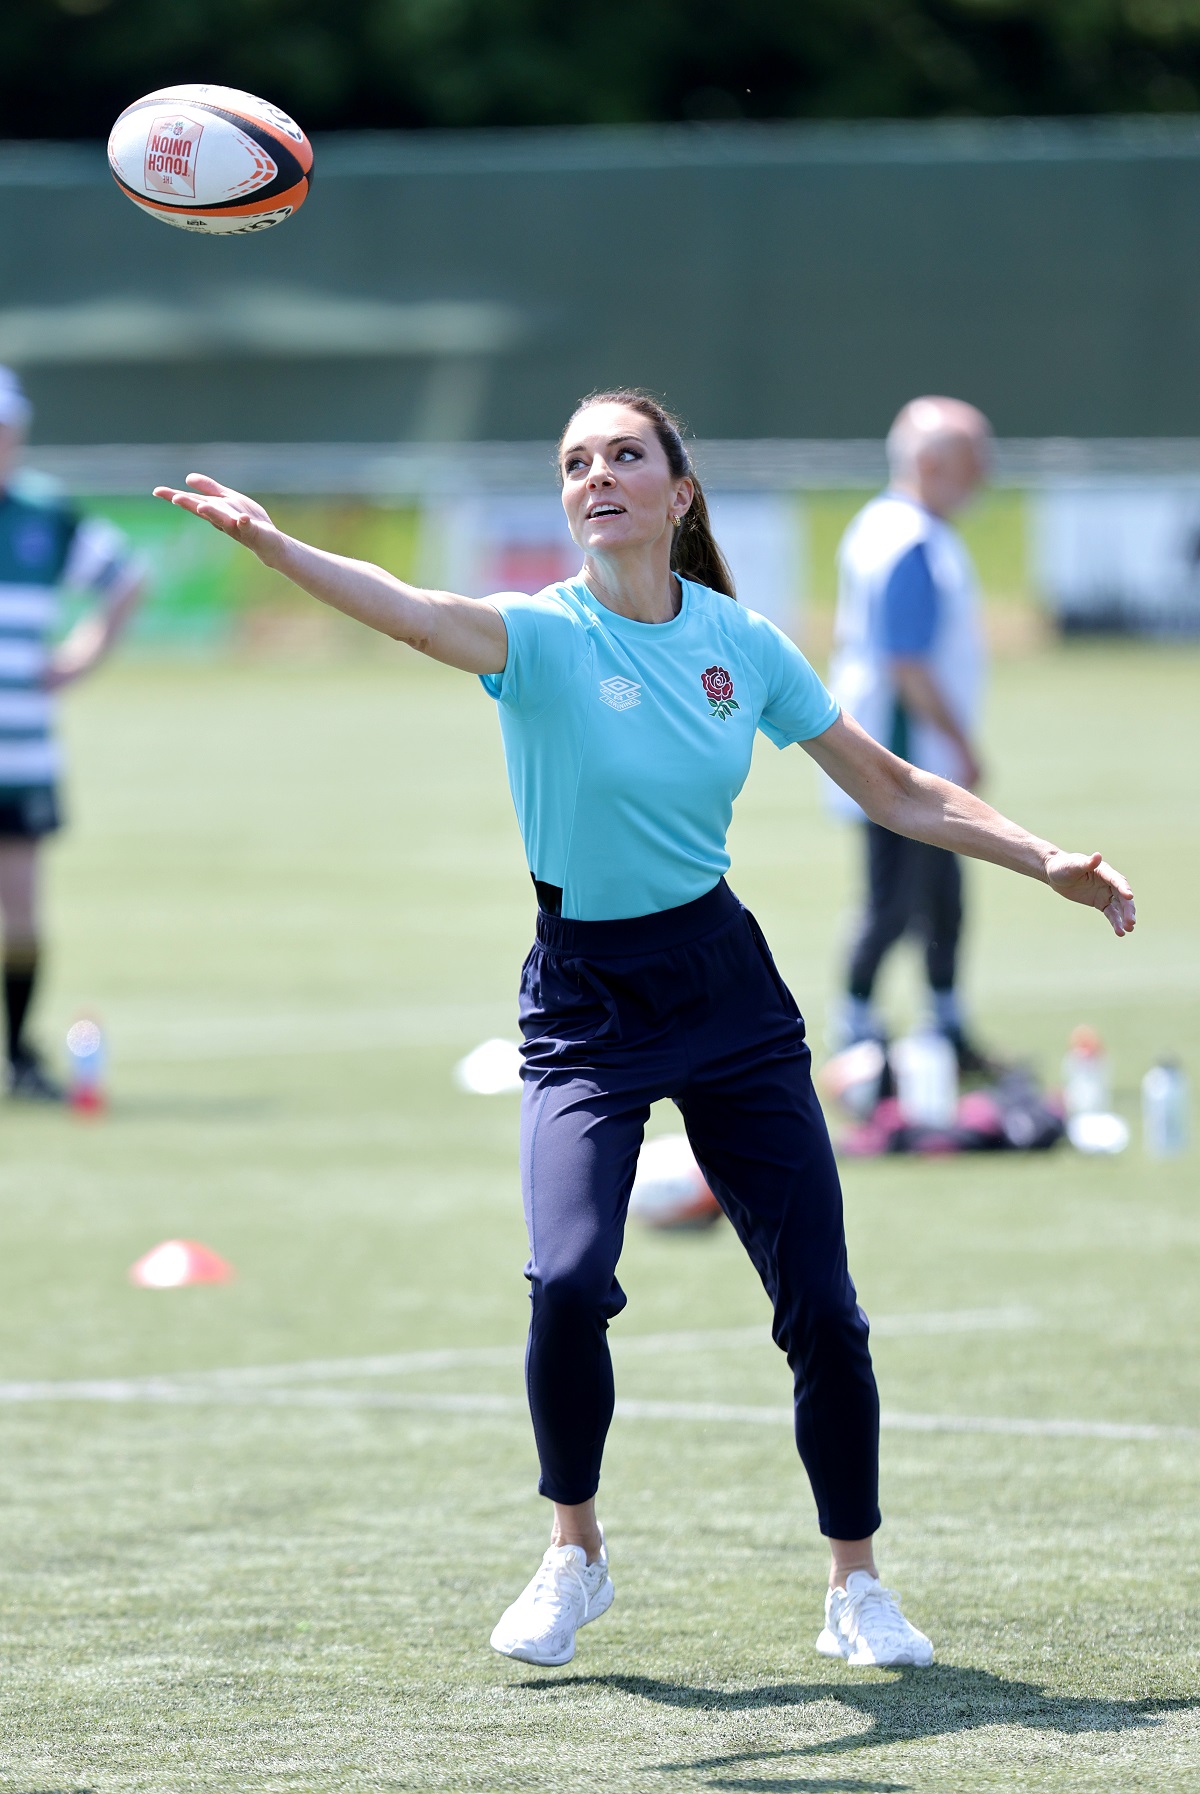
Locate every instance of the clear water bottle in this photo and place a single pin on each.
(1164, 1110)
(1087, 1078)
(926, 1080)
(85, 1059)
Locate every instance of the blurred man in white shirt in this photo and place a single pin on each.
(908, 663)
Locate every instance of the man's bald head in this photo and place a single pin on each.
(938, 452)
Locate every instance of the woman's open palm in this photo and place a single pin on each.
(229, 511)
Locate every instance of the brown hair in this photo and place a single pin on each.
(694, 552)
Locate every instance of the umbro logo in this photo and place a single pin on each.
(620, 694)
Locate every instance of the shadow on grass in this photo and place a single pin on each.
(906, 1706)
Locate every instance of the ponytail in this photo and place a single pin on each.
(694, 552)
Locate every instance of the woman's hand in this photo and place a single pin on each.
(468, 633)
(231, 512)
(909, 802)
(1086, 878)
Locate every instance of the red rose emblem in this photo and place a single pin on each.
(718, 689)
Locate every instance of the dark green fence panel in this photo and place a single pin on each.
(789, 281)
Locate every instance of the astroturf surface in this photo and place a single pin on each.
(295, 896)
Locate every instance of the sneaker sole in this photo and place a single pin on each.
(524, 1654)
(828, 1645)
(519, 1653)
(902, 1660)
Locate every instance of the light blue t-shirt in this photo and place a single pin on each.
(627, 742)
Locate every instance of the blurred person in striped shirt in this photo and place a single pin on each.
(46, 548)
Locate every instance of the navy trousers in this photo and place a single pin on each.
(686, 1004)
(911, 887)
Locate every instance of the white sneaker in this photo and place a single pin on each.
(566, 1593)
(864, 1624)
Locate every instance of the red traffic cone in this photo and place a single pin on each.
(176, 1262)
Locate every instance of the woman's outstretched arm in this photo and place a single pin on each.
(463, 632)
(910, 802)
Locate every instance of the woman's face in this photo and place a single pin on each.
(617, 486)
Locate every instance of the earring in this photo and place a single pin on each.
(675, 522)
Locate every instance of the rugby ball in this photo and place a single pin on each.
(210, 159)
(669, 1188)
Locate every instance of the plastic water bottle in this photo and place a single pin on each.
(1164, 1110)
(1087, 1079)
(85, 1058)
(926, 1080)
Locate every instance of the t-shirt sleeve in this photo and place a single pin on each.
(910, 605)
(798, 706)
(546, 643)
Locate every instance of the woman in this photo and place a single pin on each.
(628, 702)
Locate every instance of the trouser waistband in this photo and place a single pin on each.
(631, 935)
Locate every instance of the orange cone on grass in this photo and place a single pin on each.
(174, 1263)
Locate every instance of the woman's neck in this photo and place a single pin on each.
(638, 586)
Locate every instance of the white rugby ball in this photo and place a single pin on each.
(669, 1188)
(210, 159)
(492, 1069)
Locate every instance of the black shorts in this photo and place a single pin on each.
(28, 811)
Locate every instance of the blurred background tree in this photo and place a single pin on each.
(68, 66)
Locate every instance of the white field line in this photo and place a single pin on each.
(914, 1423)
(268, 1385)
(157, 1390)
(1035, 1429)
(392, 1364)
(636, 1345)
(160, 1390)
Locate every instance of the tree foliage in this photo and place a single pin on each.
(68, 66)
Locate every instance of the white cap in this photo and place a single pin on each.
(15, 409)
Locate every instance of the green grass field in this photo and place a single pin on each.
(295, 895)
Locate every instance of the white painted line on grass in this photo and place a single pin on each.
(274, 1385)
(160, 1391)
(154, 1390)
(634, 1345)
(393, 1364)
(719, 1412)
(1035, 1429)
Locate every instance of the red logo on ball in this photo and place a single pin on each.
(171, 145)
(718, 689)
